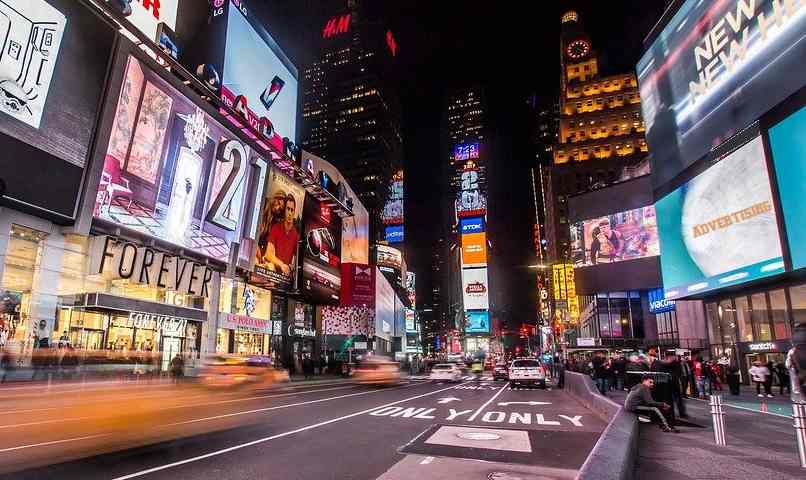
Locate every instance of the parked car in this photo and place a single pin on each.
(446, 371)
(501, 371)
(527, 372)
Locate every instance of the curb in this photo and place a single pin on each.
(615, 453)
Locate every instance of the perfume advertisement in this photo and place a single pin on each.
(171, 171)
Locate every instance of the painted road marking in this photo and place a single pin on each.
(473, 417)
(449, 400)
(491, 416)
(427, 460)
(504, 404)
(54, 442)
(273, 437)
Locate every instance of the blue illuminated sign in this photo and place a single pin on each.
(658, 304)
(466, 151)
(394, 233)
(472, 225)
(477, 321)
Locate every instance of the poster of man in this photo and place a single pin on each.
(617, 237)
(279, 234)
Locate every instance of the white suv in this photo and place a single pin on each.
(527, 371)
(446, 371)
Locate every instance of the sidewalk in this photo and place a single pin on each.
(758, 445)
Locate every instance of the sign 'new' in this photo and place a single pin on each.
(115, 259)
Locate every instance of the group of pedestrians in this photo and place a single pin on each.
(763, 374)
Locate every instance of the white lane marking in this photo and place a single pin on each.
(504, 404)
(273, 437)
(427, 460)
(747, 409)
(259, 397)
(267, 409)
(11, 449)
(449, 400)
(456, 413)
(476, 413)
(44, 422)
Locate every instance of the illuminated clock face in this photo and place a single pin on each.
(578, 49)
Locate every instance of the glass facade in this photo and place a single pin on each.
(615, 315)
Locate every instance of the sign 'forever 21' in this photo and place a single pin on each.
(117, 259)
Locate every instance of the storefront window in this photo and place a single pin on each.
(712, 312)
(222, 340)
(743, 319)
(759, 315)
(727, 322)
(21, 264)
(797, 295)
(780, 322)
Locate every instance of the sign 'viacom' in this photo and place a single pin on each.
(117, 259)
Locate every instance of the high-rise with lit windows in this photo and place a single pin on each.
(351, 113)
(601, 133)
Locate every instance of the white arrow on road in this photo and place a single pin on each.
(504, 404)
(448, 400)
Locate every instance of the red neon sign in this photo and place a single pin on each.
(336, 25)
(153, 6)
(391, 43)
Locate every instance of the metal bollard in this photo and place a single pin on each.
(718, 417)
(799, 415)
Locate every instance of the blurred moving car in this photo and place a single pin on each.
(501, 372)
(446, 371)
(236, 371)
(377, 371)
(527, 372)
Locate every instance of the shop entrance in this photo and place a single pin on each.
(170, 347)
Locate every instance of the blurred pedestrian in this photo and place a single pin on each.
(714, 372)
(685, 375)
(733, 380)
(307, 366)
(177, 367)
(796, 364)
(620, 371)
(759, 374)
(769, 379)
(701, 377)
(671, 365)
(600, 373)
(783, 378)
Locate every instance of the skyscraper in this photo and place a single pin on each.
(601, 132)
(350, 107)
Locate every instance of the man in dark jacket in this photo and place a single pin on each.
(639, 400)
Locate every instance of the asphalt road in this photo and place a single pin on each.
(332, 430)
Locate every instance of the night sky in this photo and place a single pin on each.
(512, 50)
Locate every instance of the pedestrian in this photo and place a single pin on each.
(783, 378)
(322, 364)
(759, 374)
(672, 367)
(611, 375)
(600, 373)
(714, 372)
(733, 380)
(177, 367)
(701, 377)
(560, 374)
(796, 364)
(692, 378)
(5, 364)
(307, 367)
(620, 370)
(639, 400)
(685, 375)
(769, 379)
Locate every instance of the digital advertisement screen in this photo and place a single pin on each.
(170, 170)
(393, 210)
(477, 322)
(348, 320)
(384, 307)
(466, 151)
(254, 67)
(280, 231)
(471, 225)
(658, 303)
(474, 250)
(411, 324)
(615, 238)
(53, 65)
(714, 69)
(390, 257)
(720, 228)
(147, 14)
(475, 291)
(321, 267)
(411, 288)
(394, 233)
(471, 201)
(788, 146)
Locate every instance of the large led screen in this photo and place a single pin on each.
(720, 228)
(54, 56)
(474, 250)
(384, 308)
(280, 231)
(170, 170)
(465, 151)
(616, 237)
(477, 322)
(321, 267)
(471, 201)
(475, 290)
(393, 210)
(255, 67)
(715, 68)
(788, 145)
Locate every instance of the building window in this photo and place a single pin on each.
(797, 296)
(743, 317)
(780, 323)
(759, 315)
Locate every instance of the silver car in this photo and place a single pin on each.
(527, 371)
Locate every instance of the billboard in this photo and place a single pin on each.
(384, 308)
(720, 228)
(474, 250)
(357, 284)
(477, 321)
(321, 267)
(279, 232)
(170, 170)
(565, 294)
(348, 320)
(690, 75)
(411, 322)
(475, 289)
(390, 258)
(614, 238)
(471, 201)
(393, 210)
(355, 229)
(471, 225)
(147, 14)
(53, 65)
(658, 303)
(788, 147)
(394, 233)
(411, 288)
(465, 151)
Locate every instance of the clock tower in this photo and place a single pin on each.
(579, 61)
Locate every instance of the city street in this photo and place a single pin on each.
(336, 430)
